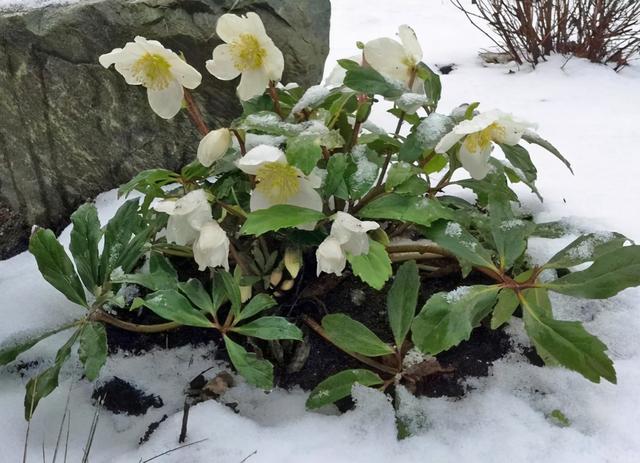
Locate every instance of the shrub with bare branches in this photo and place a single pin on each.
(603, 31)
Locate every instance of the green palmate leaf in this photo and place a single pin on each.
(368, 80)
(117, 236)
(509, 233)
(85, 236)
(505, 307)
(422, 211)
(448, 318)
(338, 169)
(55, 266)
(363, 172)
(45, 383)
(93, 349)
(270, 328)
(425, 137)
(555, 229)
(352, 336)
(534, 138)
(196, 293)
(400, 173)
(259, 303)
(304, 152)
(232, 290)
(452, 237)
(278, 217)
(171, 305)
(432, 84)
(567, 343)
(402, 299)
(607, 276)
(586, 248)
(256, 371)
(152, 179)
(339, 386)
(373, 268)
(521, 168)
(11, 350)
(161, 275)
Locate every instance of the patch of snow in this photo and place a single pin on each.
(453, 229)
(504, 417)
(315, 95)
(454, 296)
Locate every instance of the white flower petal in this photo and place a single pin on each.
(230, 26)
(330, 257)
(410, 43)
(110, 58)
(222, 65)
(274, 61)
(213, 146)
(510, 130)
(476, 163)
(256, 157)
(252, 83)
(259, 201)
(388, 58)
(167, 102)
(447, 142)
(478, 123)
(167, 206)
(184, 73)
(211, 248)
(180, 232)
(351, 233)
(306, 196)
(190, 202)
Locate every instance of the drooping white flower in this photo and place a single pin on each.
(396, 60)
(163, 73)
(213, 146)
(347, 235)
(478, 135)
(248, 51)
(187, 215)
(211, 248)
(351, 233)
(278, 182)
(330, 257)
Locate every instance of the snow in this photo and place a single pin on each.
(588, 111)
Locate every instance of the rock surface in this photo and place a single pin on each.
(70, 129)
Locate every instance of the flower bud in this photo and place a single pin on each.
(213, 146)
(293, 261)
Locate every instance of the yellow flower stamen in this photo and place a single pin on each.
(277, 181)
(480, 141)
(247, 52)
(153, 70)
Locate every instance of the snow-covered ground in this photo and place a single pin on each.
(588, 111)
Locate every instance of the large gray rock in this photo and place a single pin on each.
(70, 129)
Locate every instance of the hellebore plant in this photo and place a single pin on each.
(304, 178)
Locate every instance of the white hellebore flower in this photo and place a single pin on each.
(351, 233)
(213, 146)
(478, 134)
(278, 182)
(330, 257)
(348, 235)
(248, 51)
(396, 60)
(187, 215)
(164, 74)
(211, 248)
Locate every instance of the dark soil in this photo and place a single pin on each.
(368, 306)
(119, 396)
(320, 296)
